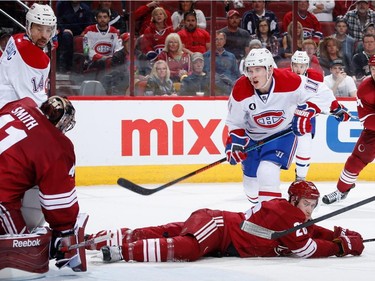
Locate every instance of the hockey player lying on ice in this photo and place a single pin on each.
(217, 233)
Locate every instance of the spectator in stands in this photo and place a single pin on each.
(3, 42)
(360, 68)
(159, 82)
(184, 7)
(346, 41)
(72, 18)
(198, 81)
(142, 16)
(368, 29)
(342, 7)
(153, 39)
(341, 84)
(251, 18)
(238, 39)
(100, 42)
(329, 50)
(117, 81)
(322, 9)
(286, 42)
(309, 46)
(254, 44)
(225, 62)
(311, 25)
(358, 18)
(268, 40)
(115, 19)
(193, 38)
(178, 60)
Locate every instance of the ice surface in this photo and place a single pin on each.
(110, 207)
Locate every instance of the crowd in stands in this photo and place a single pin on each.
(172, 41)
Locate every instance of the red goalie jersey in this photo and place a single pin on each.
(34, 152)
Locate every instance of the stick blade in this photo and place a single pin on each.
(256, 230)
(134, 187)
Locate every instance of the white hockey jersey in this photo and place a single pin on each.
(266, 114)
(101, 44)
(24, 70)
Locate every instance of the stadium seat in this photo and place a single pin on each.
(140, 88)
(328, 28)
(280, 8)
(92, 88)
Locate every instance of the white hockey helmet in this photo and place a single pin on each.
(41, 14)
(259, 57)
(300, 57)
(60, 112)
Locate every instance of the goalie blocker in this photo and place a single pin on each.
(28, 252)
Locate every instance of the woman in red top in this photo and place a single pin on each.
(177, 59)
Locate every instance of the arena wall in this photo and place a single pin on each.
(152, 141)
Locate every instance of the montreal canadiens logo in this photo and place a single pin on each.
(103, 48)
(269, 119)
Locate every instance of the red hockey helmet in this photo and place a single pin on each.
(303, 189)
(371, 60)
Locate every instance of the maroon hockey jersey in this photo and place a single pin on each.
(34, 152)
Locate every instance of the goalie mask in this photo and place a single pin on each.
(303, 189)
(60, 112)
(43, 15)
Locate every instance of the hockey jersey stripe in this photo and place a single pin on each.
(209, 228)
(151, 250)
(58, 201)
(308, 250)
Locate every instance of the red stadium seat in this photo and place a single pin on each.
(280, 8)
(328, 28)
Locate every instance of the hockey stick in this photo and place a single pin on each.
(86, 243)
(368, 240)
(145, 191)
(266, 233)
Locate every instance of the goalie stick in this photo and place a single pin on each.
(266, 233)
(145, 191)
(87, 243)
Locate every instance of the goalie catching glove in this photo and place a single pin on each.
(301, 123)
(235, 146)
(339, 111)
(74, 258)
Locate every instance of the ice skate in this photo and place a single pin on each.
(335, 196)
(111, 253)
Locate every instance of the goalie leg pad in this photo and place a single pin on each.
(28, 252)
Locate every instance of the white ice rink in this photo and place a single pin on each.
(113, 206)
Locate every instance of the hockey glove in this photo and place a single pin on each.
(301, 123)
(338, 231)
(61, 241)
(349, 245)
(339, 111)
(235, 146)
